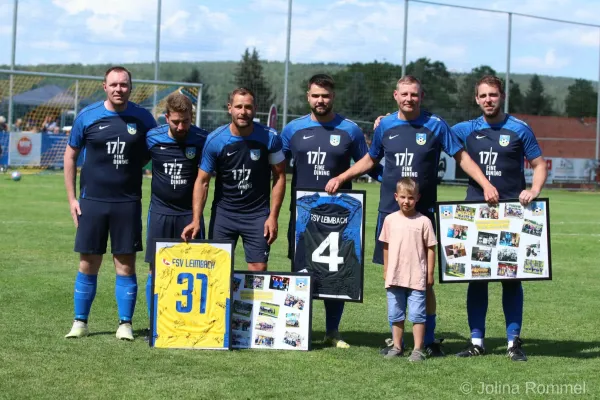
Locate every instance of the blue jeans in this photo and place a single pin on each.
(398, 298)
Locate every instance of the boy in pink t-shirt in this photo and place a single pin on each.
(408, 263)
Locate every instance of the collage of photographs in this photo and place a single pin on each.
(271, 311)
(479, 241)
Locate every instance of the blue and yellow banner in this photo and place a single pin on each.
(191, 285)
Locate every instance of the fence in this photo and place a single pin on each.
(42, 100)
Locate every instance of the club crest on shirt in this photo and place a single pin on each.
(255, 154)
(132, 128)
(504, 140)
(190, 152)
(334, 140)
(421, 138)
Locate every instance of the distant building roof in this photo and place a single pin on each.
(563, 136)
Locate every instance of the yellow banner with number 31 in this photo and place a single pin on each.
(191, 295)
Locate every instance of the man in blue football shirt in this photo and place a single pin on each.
(411, 141)
(242, 155)
(322, 145)
(499, 143)
(175, 149)
(112, 135)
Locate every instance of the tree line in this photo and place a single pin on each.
(364, 90)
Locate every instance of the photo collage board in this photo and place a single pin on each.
(482, 242)
(271, 310)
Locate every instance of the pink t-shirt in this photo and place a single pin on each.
(408, 239)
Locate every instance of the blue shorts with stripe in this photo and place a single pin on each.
(98, 219)
(162, 226)
(378, 252)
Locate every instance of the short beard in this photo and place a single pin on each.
(179, 137)
(321, 113)
(235, 122)
(493, 114)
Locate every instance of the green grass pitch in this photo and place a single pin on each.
(38, 267)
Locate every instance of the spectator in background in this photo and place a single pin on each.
(18, 125)
(3, 126)
(49, 124)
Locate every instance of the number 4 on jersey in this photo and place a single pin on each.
(333, 260)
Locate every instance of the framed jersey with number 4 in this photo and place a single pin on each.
(329, 237)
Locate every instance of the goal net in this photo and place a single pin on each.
(44, 109)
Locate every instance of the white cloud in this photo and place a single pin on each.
(275, 6)
(109, 19)
(550, 61)
(341, 31)
(128, 10)
(106, 27)
(54, 45)
(216, 20)
(176, 24)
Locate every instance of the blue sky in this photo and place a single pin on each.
(118, 31)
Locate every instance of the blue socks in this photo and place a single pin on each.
(477, 305)
(84, 293)
(149, 294)
(429, 329)
(126, 295)
(512, 304)
(333, 315)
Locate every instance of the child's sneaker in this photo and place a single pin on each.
(417, 355)
(389, 344)
(394, 352)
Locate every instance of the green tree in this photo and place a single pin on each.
(439, 86)
(515, 99)
(249, 74)
(536, 102)
(364, 91)
(207, 120)
(466, 91)
(195, 77)
(581, 100)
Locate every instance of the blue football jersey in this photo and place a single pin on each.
(499, 150)
(174, 169)
(114, 151)
(411, 149)
(329, 245)
(242, 165)
(321, 151)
